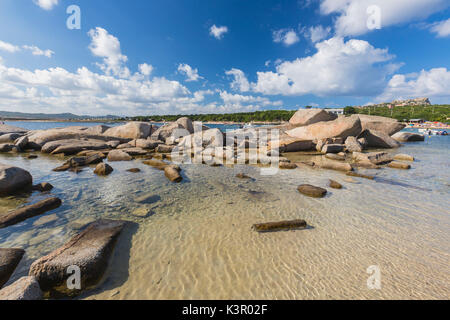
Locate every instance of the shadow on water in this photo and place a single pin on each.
(401, 184)
(117, 273)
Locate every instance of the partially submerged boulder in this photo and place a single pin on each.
(399, 165)
(172, 174)
(312, 191)
(103, 169)
(13, 179)
(377, 139)
(131, 130)
(9, 259)
(119, 155)
(27, 212)
(279, 226)
(404, 157)
(373, 157)
(385, 125)
(26, 288)
(333, 148)
(305, 117)
(335, 185)
(90, 250)
(335, 165)
(43, 187)
(408, 137)
(73, 146)
(342, 127)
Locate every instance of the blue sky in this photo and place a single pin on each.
(204, 56)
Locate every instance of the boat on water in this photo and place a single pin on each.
(434, 132)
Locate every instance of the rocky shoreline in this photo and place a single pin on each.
(345, 143)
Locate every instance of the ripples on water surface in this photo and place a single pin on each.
(198, 243)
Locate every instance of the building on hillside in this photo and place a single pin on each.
(336, 111)
(416, 121)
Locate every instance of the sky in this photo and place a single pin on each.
(132, 57)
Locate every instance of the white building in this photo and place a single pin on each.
(337, 111)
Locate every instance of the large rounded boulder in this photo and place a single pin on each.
(131, 130)
(385, 125)
(305, 117)
(13, 179)
(342, 127)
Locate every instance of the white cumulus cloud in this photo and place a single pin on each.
(39, 52)
(191, 74)
(428, 83)
(107, 46)
(286, 36)
(5, 46)
(441, 28)
(46, 4)
(240, 81)
(218, 32)
(354, 67)
(352, 14)
(318, 33)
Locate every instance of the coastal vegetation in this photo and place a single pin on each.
(257, 116)
(439, 113)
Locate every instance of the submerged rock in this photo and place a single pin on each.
(281, 225)
(333, 156)
(90, 250)
(30, 211)
(26, 288)
(399, 165)
(373, 157)
(404, 157)
(360, 175)
(334, 165)
(9, 259)
(287, 165)
(43, 187)
(13, 179)
(335, 184)
(148, 198)
(312, 191)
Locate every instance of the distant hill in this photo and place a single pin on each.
(47, 116)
